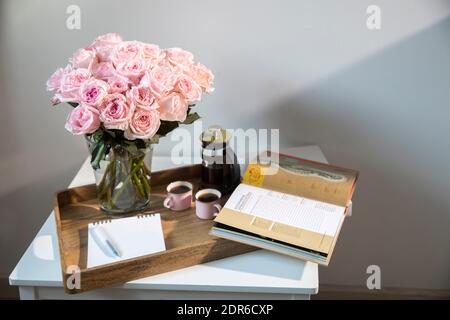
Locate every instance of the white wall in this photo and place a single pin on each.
(373, 100)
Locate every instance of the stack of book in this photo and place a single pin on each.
(292, 206)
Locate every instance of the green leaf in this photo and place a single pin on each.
(115, 134)
(132, 149)
(138, 143)
(98, 153)
(191, 118)
(73, 104)
(96, 136)
(166, 127)
(154, 139)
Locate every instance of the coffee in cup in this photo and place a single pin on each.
(207, 203)
(179, 196)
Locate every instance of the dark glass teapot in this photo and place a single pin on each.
(220, 167)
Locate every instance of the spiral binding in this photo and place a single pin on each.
(138, 216)
(96, 223)
(145, 215)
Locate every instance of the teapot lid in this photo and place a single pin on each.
(215, 135)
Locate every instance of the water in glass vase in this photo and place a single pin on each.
(123, 180)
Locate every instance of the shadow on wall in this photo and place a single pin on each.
(7, 144)
(23, 212)
(30, 167)
(388, 117)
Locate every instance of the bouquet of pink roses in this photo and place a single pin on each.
(127, 94)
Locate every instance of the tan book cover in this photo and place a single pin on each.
(293, 206)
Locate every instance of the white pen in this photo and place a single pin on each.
(105, 241)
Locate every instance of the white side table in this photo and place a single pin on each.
(256, 275)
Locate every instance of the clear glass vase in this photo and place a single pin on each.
(123, 179)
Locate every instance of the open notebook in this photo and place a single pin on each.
(298, 210)
(134, 236)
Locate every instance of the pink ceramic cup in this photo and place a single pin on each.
(207, 209)
(178, 201)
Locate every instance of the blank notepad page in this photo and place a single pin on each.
(135, 237)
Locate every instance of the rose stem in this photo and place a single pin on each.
(126, 181)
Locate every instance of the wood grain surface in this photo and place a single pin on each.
(187, 240)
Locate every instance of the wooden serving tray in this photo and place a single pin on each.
(187, 240)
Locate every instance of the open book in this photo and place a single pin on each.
(298, 211)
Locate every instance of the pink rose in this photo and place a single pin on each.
(71, 83)
(143, 124)
(155, 87)
(108, 39)
(203, 76)
(118, 83)
(164, 76)
(105, 44)
(142, 96)
(103, 70)
(189, 89)
(173, 107)
(54, 100)
(179, 56)
(126, 51)
(115, 111)
(93, 91)
(54, 83)
(83, 119)
(84, 58)
(151, 51)
(133, 69)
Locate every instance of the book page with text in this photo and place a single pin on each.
(303, 213)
